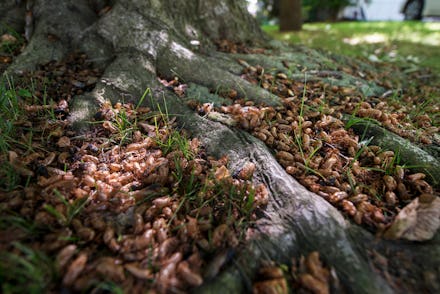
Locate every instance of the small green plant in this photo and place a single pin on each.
(126, 121)
(428, 106)
(189, 187)
(307, 163)
(236, 204)
(9, 104)
(25, 270)
(354, 120)
(17, 221)
(230, 203)
(49, 102)
(124, 126)
(73, 208)
(10, 113)
(144, 95)
(9, 178)
(176, 141)
(299, 133)
(107, 287)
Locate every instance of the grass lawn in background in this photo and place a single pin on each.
(414, 44)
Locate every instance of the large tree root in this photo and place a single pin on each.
(410, 154)
(134, 49)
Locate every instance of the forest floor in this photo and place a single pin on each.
(135, 204)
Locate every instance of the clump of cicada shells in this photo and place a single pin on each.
(168, 231)
(329, 160)
(157, 212)
(311, 142)
(307, 273)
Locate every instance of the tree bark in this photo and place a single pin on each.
(290, 15)
(138, 41)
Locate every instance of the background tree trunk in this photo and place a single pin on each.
(290, 15)
(138, 41)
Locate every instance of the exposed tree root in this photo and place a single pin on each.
(410, 154)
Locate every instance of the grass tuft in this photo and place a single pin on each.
(25, 270)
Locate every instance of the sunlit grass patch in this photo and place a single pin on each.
(389, 41)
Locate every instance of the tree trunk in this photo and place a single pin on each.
(290, 15)
(138, 41)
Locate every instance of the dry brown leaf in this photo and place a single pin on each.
(247, 171)
(75, 269)
(189, 275)
(49, 159)
(313, 284)
(418, 221)
(222, 173)
(315, 267)
(8, 38)
(58, 132)
(111, 268)
(64, 256)
(63, 142)
(275, 286)
(18, 165)
(138, 272)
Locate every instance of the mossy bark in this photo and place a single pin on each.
(410, 154)
(138, 41)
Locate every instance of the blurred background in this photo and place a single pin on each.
(268, 11)
(403, 31)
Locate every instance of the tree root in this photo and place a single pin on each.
(197, 69)
(411, 155)
(58, 26)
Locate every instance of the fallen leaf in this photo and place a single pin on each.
(222, 173)
(75, 269)
(313, 284)
(418, 221)
(63, 142)
(8, 38)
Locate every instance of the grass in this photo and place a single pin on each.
(73, 208)
(108, 287)
(124, 123)
(9, 178)
(14, 220)
(175, 141)
(231, 203)
(407, 42)
(9, 111)
(428, 105)
(25, 270)
(15, 133)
